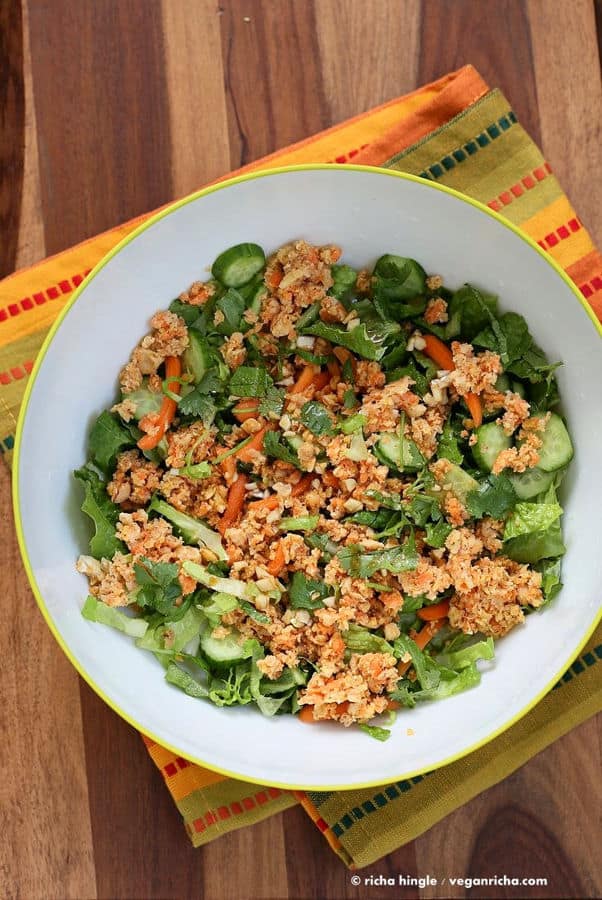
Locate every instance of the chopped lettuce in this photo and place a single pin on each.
(363, 564)
(550, 578)
(181, 679)
(192, 530)
(464, 656)
(95, 611)
(376, 732)
(467, 678)
(307, 593)
(343, 286)
(299, 523)
(361, 640)
(529, 518)
(368, 339)
(103, 513)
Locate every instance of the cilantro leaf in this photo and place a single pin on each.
(250, 381)
(108, 437)
(273, 446)
(376, 732)
(437, 533)
(307, 593)
(495, 497)
(159, 583)
(197, 402)
(272, 404)
(447, 447)
(104, 514)
(362, 564)
(316, 418)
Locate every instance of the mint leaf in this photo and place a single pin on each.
(248, 381)
(307, 593)
(103, 513)
(368, 340)
(272, 404)
(160, 586)
(316, 418)
(273, 446)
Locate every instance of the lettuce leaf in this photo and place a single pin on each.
(376, 732)
(368, 340)
(103, 513)
(528, 518)
(95, 611)
(362, 564)
(361, 640)
(464, 656)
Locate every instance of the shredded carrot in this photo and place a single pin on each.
(270, 502)
(308, 373)
(343, 355)
(302, 486)
(321, 380)
(247, 409)
(236, 499)
(474, 408)
(421, 639)
(334, 369)
(330, 479)
(156, 424)
(307, 715)
(441, 354)
(394, 705)
(274, 278)
(278, 562)
(245, 454)
(438, 611)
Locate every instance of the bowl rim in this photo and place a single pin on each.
(148, 223)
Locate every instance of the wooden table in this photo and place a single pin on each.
(107, 109)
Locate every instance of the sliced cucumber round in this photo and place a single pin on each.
(238, 265)
(491, 440)
(557, 448)
(222, 652)
(198, 356)
(402, 456)
(531, 482)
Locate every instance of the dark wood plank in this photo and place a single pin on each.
(140, 846)
(102, 114)
(272, 75)
(12, 131)
(494, 37)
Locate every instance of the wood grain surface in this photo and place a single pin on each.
(109, 108)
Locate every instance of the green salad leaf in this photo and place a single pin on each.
(361, 640)
(473, 310)
(108, 437)
(232, 306)
(272, 404)
(550, 578)
(344, 278)
(159, 585)
(103, 513)
(363, 564)
(531, 517)
(368, 339)
(250, 381)
(274, 446)
(96, 611)
(376, 732)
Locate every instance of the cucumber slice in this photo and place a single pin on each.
(531, 482)
(456, 482)
(238, 265)
(146, 401)
(223, 652)
(557, 448)
(403, 456)
(197, 357)
(491, 440)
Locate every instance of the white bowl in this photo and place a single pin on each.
(368, 212)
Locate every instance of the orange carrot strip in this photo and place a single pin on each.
(334, 369)
(270, 502)
(245, 454)
(441, 354)
(236, 499)
(343, 354)
(321, 380)
(304, 380)
(307, 715)
(274, 278)
(437, 611)
(474, 408)
(421, 640)
(330, 480)
(278, 562)
(302, 486)
(158, 424)
(394, 705)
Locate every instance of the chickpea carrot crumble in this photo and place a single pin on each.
(326, 491)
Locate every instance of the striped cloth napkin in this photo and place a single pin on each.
(458, 132)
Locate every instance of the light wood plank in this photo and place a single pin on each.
(368, 52)
(198, 120)
(46, 846)
(569, 95)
